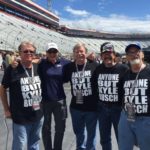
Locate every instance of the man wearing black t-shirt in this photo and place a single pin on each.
(83, 104)
(134, 124)
(105, 86)
(25, 97)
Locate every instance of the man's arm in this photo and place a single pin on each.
(3, 95)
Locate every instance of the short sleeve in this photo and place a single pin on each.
(6, 80)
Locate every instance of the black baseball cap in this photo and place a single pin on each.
(107, 47)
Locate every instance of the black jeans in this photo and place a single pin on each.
(58, 109)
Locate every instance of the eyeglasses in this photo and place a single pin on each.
(28, 52)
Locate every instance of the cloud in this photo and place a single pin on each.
(57, 12)
(81, 13)
(148, 17)
(113, 23)
(102, 4)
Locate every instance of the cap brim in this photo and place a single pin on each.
(107, 50)
(132, 45)
(52, 49)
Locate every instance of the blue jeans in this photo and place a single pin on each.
(28, 133)
(58, 110)
(108, 116)
(132, 132)
(82, 121)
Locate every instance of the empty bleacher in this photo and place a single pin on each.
(14, 30)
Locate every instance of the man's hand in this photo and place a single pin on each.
(7, 114)
(3, 95)
(14, 64)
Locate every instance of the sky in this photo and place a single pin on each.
(119, 16)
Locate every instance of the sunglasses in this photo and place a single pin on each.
(28, 52)
(107, 52)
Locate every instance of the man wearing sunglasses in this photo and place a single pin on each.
(25, 97)
(53, 96)
(105, 86)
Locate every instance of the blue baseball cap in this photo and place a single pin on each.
(133, 45)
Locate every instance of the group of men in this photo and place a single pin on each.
(110, 93)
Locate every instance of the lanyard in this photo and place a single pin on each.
(32, 72)
(134, 84)
(82, 71)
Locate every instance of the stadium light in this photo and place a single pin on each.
(49, 5)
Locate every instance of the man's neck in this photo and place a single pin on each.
(53, 61)
(82, 62)
(27, 64)
(138, 67)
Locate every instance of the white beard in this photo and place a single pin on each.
(135, 61)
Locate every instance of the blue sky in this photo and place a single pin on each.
(127, 16)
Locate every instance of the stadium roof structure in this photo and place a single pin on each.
(29, 10)
(97, 34)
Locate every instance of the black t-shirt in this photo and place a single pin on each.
(137, 93)
(105, 83)
(81, 80)
(24, 93)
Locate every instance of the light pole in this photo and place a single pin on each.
(49, 5)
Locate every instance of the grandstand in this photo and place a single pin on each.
(25, 20)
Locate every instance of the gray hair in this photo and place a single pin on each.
(78, 45)
(24, 43)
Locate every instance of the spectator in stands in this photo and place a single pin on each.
(98, 59)
(124, 60)
(25, 96)
(135, 92)
(91, 56)
(105, 87)
(118, 58)
(53, 96)
(83, 104)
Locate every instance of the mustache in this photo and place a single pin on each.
(135, 61)
(107, 58)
